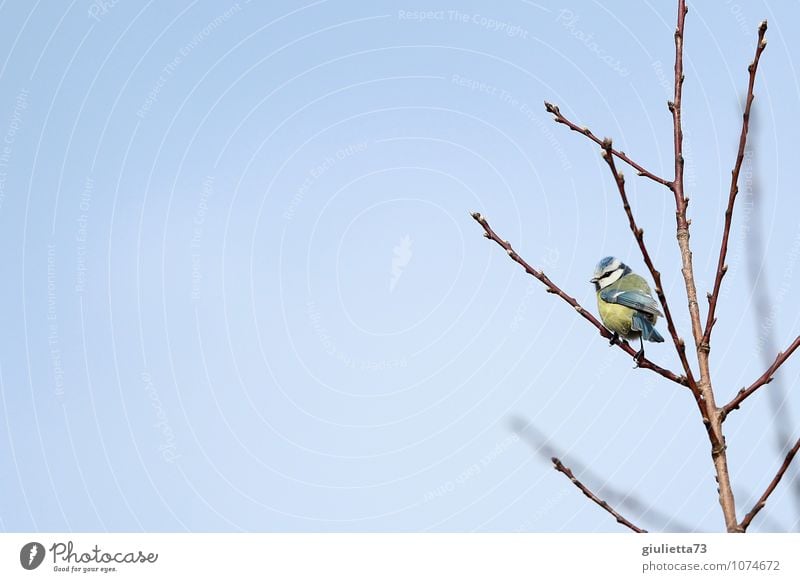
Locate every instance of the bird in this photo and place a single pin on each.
(625, 303)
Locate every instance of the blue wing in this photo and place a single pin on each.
(643, 325)
(633, 299)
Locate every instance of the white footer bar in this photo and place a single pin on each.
(406, 557)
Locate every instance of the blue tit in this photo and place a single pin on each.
(625, 303)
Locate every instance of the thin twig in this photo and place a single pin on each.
(553, 288)
(638, 233)
(681, 202)
(559, 466)
(544, 448)
(559, 118)
(771, 487)
(722, 268)
(764, 379)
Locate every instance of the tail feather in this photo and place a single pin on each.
(642, 324)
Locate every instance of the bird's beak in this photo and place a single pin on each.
(593, 280)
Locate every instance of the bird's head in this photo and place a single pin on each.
(608, 271)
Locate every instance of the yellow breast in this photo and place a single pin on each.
(615, 317)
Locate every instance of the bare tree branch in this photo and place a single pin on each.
(764, 379)
(559, 466)
(711, 415)
(700, 387)
(722, 268)
(553, 288)
(559, 118)
(546, 450)
(681, 201)
(771, 487)
(638, 233)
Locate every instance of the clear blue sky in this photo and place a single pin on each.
(242, 290)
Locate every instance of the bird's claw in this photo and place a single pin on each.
(638, 357)
(614, 339)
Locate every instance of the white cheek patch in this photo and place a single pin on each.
(611, 278)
